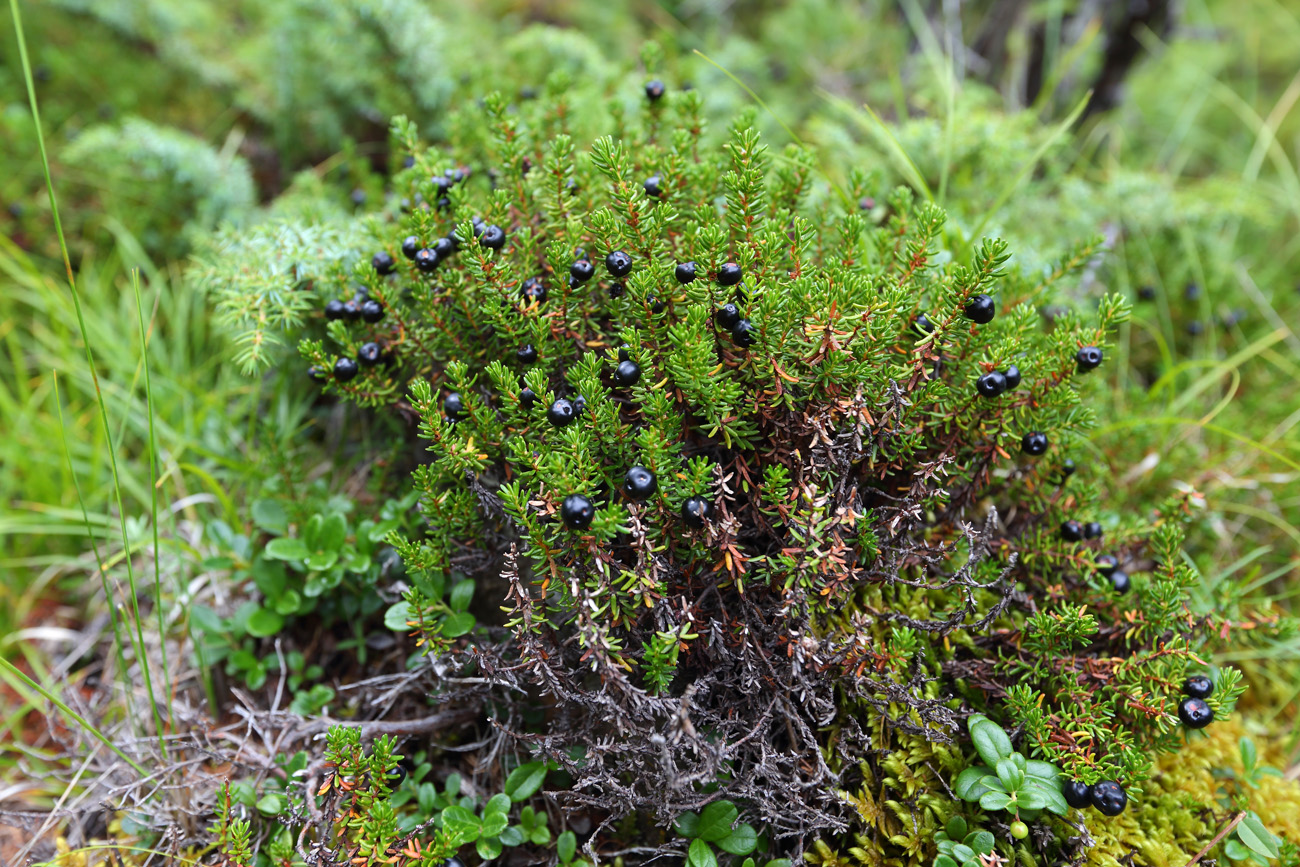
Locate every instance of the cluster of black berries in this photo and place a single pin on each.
(1109, 566)
(639, 484)
(1107, 797)
(728, 316)
(364, 308)
(360, 307)
(996, 382)
(1194, 711)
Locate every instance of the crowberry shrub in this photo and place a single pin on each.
(761, 491)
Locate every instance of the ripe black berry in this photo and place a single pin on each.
(345, 369)
(1013, 377)
(1034, 443)
(727, 316)
(444, 247)
(383, 262)
(577, 511)
(1195, 712)
(1071, 531)
(744, 334)
(654, 186)
(1089, 358)
(639, 483)
(685, 272)
(696, 511)
(656, 306)
(622, 353)
(427, 259)
(1092, 530)
(372, 310)
(452, 405)
(334, 309)
(922, 325)
(1121, 582)
(1109, 798)
(1198, 686)
(627, 374)
(526, 353)
(729, 274)
(981, 309)
(527, 397)
(352, 310)
(533, 289)
(654, 90)
(1067, 468)
(1106, 564)
(410, 246)
(619, 263)
(582, 270)
(494, 238)
(370, 354)
(1078, 794)
(991, 384)
(617, 290)
(316, 375)
(579, 405)
(561, 412)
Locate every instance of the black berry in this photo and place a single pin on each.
(685, 272)
(334, 309)
(444, 247)
(617, 290)
(1067, 468)
(352, 310)
(577, 511)
(656, 306)
(582, 270)
(1195, 712)
(370, 354)
(527, 397)
(627, 374)
(1092, 530)
(727, 316)
(1106, 564)
(410, 246)
(345, 369)
(427, 259)
(1109, 798)
(1198, 686)
(316, 374)
(452, 405)
(383, 262)
(1089, 358)
(622, 353)
(1121, 582)
(729, 274)
(1078, 794)
(981, 309)
(639, 483)
(494, 238)
(696, 511)
(654, 90)
(619, 263)
(1013, 377)
(1071, 531)
(922, 325)
(526, 353)
(744, 334)
(1034, 443)
(654, 186)
(534, 289)
(991, 384)
(561, 412)
(579, 405)
(372, 310)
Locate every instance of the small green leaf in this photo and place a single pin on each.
(287, 548)
(1012, 777)
(270, 516)
(969, 788)
(1031, 799)
(1050, 792)
(991, 742)
(1042, 770)
(741, 841)
(396, 616)
(981, 841)
(460, 822)
(963, 853)
(688, 825)
(525, 780)
(540, 836)
(494, 824)
(700, 855)
(270, 804)
(995, 800)
(1235, 850)
(321, 560)
(458, 624)
(263, 623)
(565, 846)
(716, 820)
(945, 861)
(461, 595)
(498, 804)
(512, 836)
(956, 826)
(1256, 837)
(488, 848)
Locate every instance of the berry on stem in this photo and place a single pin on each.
(426, 260)
(619, 263)
(1198, 686)
(1195, 713)
(334, 310)
(370, 354)
(577, 511)
(1088, 358)
(627, 374)
(1092, 530)
(685, 272)
(1109, 798)
(727, 316)
(444, 247)
(372, 310)
(453, 406)
(533, 289)
(383, 262)
(1072, 531)
(582, 270)
(493, 238)
(1067, 468)
(1034, 443)
(639, 484)
(654, 186)
(981, 309)
(991, 384)
(744, 334)
(1013, 377)
(654, 90)
(1078, 794)
(561, 412)
(1121, 582)
(410, 246)
(1106, 564)
(696, 511)
(526, 353)
(345, 369)
(922, 324)
(1019, 830)
(729, 274)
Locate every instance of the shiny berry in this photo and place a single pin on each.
(561, 412)
(729, 274)
(744, 334)
(426, 260)
(696, 511)
(410, 246)
(1121, 582)
(991, 384)
(1198, 686)
(685, 272)
(527, 397)
(619, 263)
(351, 310)
(1195, 713)
(370, 354)
(316, 374)
(493, 238)
(444, 247)
(1019, 830)
(922, 324)
(383, 262)
(981, 309)
(345, 369)
(639, 483)
(654, 186)
(1071, 531)
(1034, 443)
(1106, 564)
(1088, 358)
(1092, 530)
(727, 316)
(1013, 377)
(1078, 794)
(1067, 468)
(526, 353)
(627, 374)
(1109, 798)
(654, 90)
(372, 310)
(452, 405)
(334, 310)
(582, 270)
(533, 290)
(577, 511)
(579, 405)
